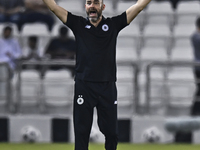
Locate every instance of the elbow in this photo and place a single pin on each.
(52, 9)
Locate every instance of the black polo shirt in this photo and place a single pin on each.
(96, 47)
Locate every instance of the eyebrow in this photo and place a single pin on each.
(94, 1)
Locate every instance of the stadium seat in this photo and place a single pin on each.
(156, 7)
(58, 89)
(28, 99)
(131, 30)
(157, 30)
(188, 7)
(182, 92)
(186, 19)
(182, 49)
(158, 73)
(150, 54)
(125, 94)
(126, 91)
(122, 6)
(126, 54)
(183, 30)
(125, 72)
(181, 87)
(109, 11)
(39, 29)
(181, 73)
(155, 48)
(159, 13)
(180, 53)
(75, 6)
(127, 42)
(127, 48)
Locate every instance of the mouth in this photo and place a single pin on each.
(93, 13)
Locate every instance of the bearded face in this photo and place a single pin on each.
(94, 9)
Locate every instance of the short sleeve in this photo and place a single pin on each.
(120, 21)
(72, 21)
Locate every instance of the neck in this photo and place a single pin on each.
(96, 23)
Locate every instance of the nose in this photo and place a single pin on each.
(92, 5)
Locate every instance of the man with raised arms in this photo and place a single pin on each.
(95, 73)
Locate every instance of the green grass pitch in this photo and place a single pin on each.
(124, 146)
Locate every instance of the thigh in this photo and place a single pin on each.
(107, 110)
(83, 105)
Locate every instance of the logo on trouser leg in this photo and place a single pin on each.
(80, 100)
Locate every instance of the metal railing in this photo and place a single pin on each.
(166, 66)
(16, 104)
(43, 68)
(134, 101)
(6, 77)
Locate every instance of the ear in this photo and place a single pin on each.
(103, 7)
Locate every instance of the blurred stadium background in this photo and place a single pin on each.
(155, 78)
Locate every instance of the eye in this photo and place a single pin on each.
(89, 3)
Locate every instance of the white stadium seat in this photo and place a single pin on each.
(182, 49)
(157, 30)
(58, 88)
(188, 7)
(183, 30)
(153, 54)
(161, 8)
(39, 29)
(74, 6)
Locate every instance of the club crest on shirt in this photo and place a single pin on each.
(80, 100)
(105, 27)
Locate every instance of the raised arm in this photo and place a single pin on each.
(135, 9)
(60, 12)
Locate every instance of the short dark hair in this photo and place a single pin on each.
(101, 0)
(198, 22)
(63, 31)
(33, 38)
(7, 28)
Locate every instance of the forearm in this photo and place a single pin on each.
(51, 4)
(135, 9)
(142, 3)
(60, 12)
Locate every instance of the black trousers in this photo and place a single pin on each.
(195, 110)
(103, 96)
